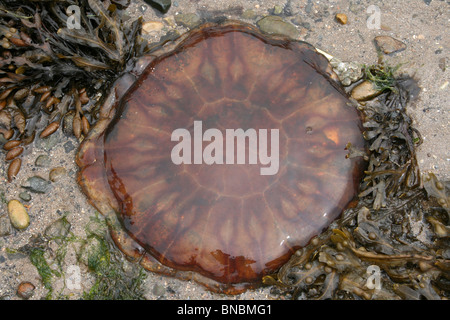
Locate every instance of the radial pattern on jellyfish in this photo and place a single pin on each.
(226, 155)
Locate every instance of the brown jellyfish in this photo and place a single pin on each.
(223, 156)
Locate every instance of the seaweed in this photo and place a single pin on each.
(113, 277)
(46, 273)
(391, 140)
(107, 266)
(54, 73)
(399, 226)
(382, 76)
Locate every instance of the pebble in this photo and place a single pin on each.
(341, 18)
(249, 14)
(288, 10)
(25, 196)
(68, 146)
(309, 6)
(364, 91)
(37, 184)
(18, 215)
(49, 142)
(158, 290)
(143, 8)
(276, 25)
(5, 226)
(25, 290)
(348, 72)
(389, 45)
(297, 20)
(277, 10)
(442, 64)
(170, 21)
(57, 173)
(42, 161)
(57, 230)
(307, 25)
(161, 5)
(152, 26)
(355, 8)
(188, 20)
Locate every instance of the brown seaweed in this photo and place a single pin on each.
(399, 227)
(48, 68)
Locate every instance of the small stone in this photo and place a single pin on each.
(5, 226)
(25, 196)
(188, 20)
(355, 7)
(277, 10)
(389, 45)
(443, 64)
(158, 290)
(42, 161)
(57, 173)
(365, 91)
(309, 6)
(297, 20)
(18, 215)
(37, 184)
(49, 142)
(161, 5)
(346, 82)
(152, 26)
(276, 25)
(57, 230)
(68, 146)
(249, 14)
(288, 10)
(143, 8)
(25, 290)
(427, 2)
(170, 21)
(341, 18)
(306, 25)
